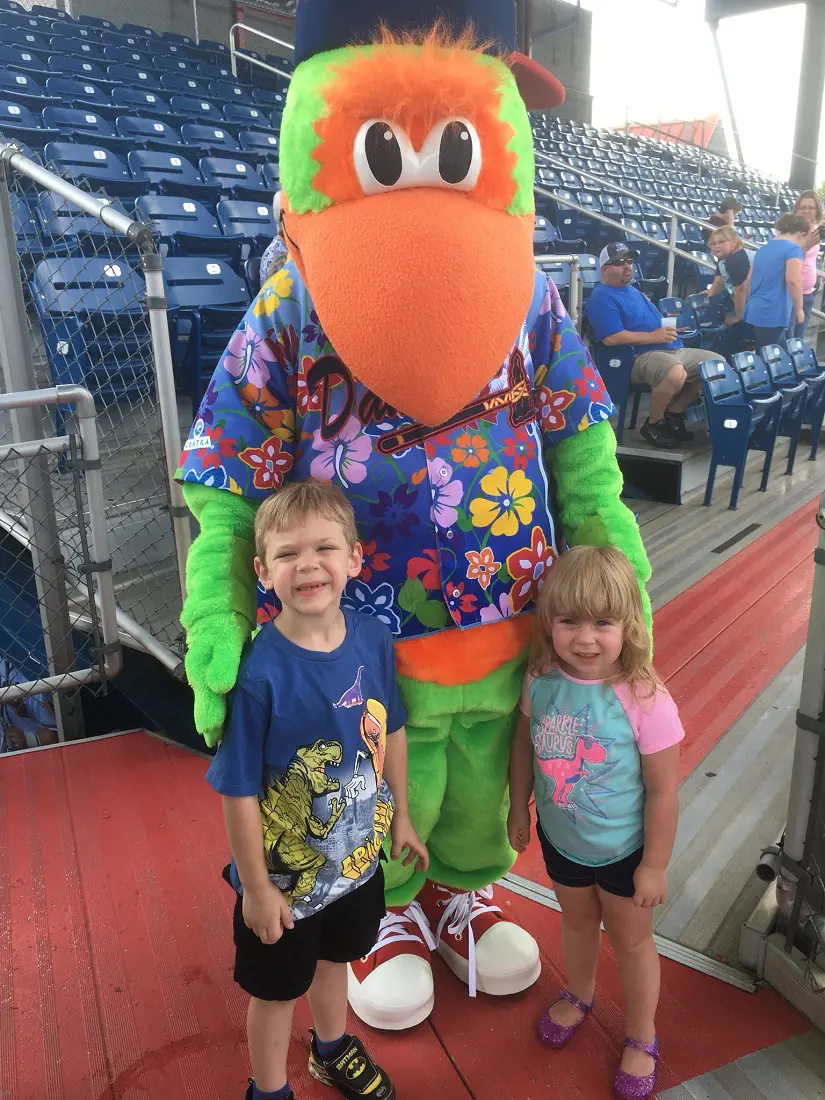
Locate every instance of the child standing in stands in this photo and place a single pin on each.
(598, 742)
(313, 773)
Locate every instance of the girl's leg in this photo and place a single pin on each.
(268, 1028)
(581, 916)
(630, 931)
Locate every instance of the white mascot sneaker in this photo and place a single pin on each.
(392, 987)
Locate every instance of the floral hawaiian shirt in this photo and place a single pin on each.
(456, 521)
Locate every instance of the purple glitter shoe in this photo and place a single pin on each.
(556, 1035)
(627, 1086)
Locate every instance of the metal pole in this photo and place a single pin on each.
(47, 559)
(152, 267)
(714, 31)
(671, 256)
(809, 101)
(195, 20)
(575, 287)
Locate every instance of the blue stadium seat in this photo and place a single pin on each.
(125, 55)
(66, 230)
(710, 314)
(757, 382)
(807, 367)
(77, 47)
(236, 178)
(25, 90)
(26, 233)
(736, 424)
(271, 176)
(208, 45)
(559, 272)
(178, 39)
(590, 273)
(174, 63)
(209, 70)
(242, 116)
(52, 13)
(209, 140)
(25, 39)
(208, 301)
(135, 28)
(187, 228)
(171, 174)
(24, 61)
(258, 147)
(253, 221)
(795, 391)
(686, 323)
(96, 21)
(134, 77)
(252, 275)
(227, 91)
(80, 69)
(18, 123)
(615, 365)
(265, 97)
(188, 107)
(76, 91)
(94, 327)
(100, 167)
(13, 6)
(117, 38)
(541, 233)
(86, 127)
(183, 84)
(148, 133)
(138, 101)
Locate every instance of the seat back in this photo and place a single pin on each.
(709, 311)
(196, 283)
(146, 129)
(183, 84)
(65, 228)
(84, 285)
(17, 114)
(253, 118)
(68, 90)
(208, 137)
(589, 271)
(228, 173)
(753, 373)
(174, 63)
(84, 124)
(155, 166)
(209, 70)
(721, 383)
(265, 146)
(780, 365)
(88, 161)
(804, 359)
(254, 220)
(137, 100)
(170, 215)
(76, 66)
(681, 310)
(126, 55)
(191, 107)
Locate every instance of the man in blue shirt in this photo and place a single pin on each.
(620, 314)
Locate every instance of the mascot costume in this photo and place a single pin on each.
(411, 351)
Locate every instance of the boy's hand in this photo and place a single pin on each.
(651, 887)
(404, 836)
(518, 828)
(266, 912)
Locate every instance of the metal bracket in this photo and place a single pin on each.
(177, 512)
(800, 873)
(84, 464)
(96, 566)
(104, 649)
(810, 725)
(153, 302)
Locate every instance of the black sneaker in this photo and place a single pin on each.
(677, 423)
(248, 1094)
(351, 1071)
(659, 433)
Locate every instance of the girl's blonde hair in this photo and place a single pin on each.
(595, 582)
(726, 233)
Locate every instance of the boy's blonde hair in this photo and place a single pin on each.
(595, 582)
(726, 233)
(298, 500)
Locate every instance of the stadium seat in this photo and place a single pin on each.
(187, 228)
(258, 147)
(148, 133)
(175, 64)
(81, 69)
(807, 368)
(265, 97)
(207, 301)
(236, 179)
(590, 273)
(736, 424)
(23, 38)
(252, 275)
(85, 127)
(77, 47)
(118, 38)
(26, 233)
(209, 70)
(135, 77)
(228, 91)
(70, 91)
(24, 89)
(271, 176)
(209, 140)
(757, 382)
(253, 221)
(177, 39)
(183, 84)
(710, 315)
(189, 107)
(66, 230)
(18, 123)
(171, 173)
(99, 167)
(242, 116)
(125, 55)
(137, 101)
(135, 28)
(24, 61)
(615, 365)
(686, 323)
(96, 21)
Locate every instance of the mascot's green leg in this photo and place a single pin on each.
(459, 753)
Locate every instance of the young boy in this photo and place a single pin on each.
(309, 775)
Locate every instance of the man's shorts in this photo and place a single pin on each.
(345, 930)
(651, 368)
(613, 878)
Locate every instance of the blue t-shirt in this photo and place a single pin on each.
(588, 738)
(769, 301)
(612, 309)
(307, 732)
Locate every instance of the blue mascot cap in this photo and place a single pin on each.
(322, 25)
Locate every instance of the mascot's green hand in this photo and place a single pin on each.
(220, 609)
(589, 484)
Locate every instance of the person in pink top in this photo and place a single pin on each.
(808, 206)
(597, 743)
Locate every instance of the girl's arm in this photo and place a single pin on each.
(660, 774)
(793, 281)
(716, 287)
(521, 784)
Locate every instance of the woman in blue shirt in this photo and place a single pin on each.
(776, 282)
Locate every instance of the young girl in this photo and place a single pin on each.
(598, 740)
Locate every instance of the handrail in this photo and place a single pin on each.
(234, 52)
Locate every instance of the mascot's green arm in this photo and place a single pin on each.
(220, 609)
(588, 485)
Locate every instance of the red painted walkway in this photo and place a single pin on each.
(115, 942)
(115, 960)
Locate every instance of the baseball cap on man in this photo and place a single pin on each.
(615, 252)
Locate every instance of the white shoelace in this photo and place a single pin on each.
(459, 913)
(395, 928)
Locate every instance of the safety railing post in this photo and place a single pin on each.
(18, 369)
(671, 255)
(152, 267)
(575, 291)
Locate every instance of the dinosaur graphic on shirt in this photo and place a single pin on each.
(288, 818)
(568, 773)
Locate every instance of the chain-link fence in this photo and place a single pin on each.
(94, 315)
(801, 889)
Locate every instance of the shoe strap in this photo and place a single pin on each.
(649, 1048)
(580, 1005)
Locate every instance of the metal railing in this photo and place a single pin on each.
(235, 53)
(56, 237)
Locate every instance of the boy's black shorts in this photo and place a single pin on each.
(613, 878)
(342, 932)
